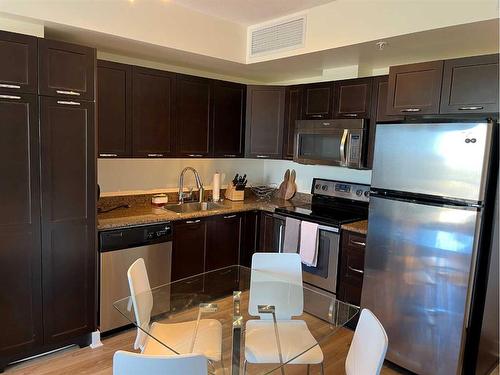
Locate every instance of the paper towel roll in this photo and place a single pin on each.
(216, 187)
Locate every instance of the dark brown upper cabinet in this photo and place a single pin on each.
(192, 129)
(66, 70)
(264, 122)
(470, 85)
(353, 98)
(293, 108)
(20, 266)
(114, 109)
(378, 112)
(68, 186)
(228, 118)
(18, 63)
(152, 112)
(317, 101)
(415, 89)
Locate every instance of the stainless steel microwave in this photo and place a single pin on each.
(331, 142)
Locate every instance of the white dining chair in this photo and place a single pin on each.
(127, 363)
(369, 345)
(276, 279)
(183, 337)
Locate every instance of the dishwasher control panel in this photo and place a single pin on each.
(141, 235)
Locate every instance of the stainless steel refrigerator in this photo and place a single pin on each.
(429, 184)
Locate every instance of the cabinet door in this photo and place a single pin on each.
(18, 65)
(152, 96)
(353, 98)
(228, 119)
(470, 85)
(268, 238)
(293, 108)
(20, 256)
(378, 113)
(114, 109)
(68, 218)
(66, 70)
(318, 101)
(352, 259)
(193, 102)
(264, 121)
(250, 237)
(188, 248)
(224, 241)
(415, 88)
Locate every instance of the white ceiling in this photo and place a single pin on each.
(249, 12)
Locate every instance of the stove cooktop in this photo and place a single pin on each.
(325, 216)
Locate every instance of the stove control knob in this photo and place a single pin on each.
(367, 193)
(324, 187)
(359, 192)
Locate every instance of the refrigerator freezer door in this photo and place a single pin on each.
(443, 159)
(417, 267)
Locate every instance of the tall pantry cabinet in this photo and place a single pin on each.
(47, 195)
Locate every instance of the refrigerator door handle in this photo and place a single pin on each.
(343, 159)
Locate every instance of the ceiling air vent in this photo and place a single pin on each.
(284, 35)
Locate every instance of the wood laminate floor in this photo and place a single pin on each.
(99, 361)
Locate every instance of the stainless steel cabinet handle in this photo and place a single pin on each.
(262, 156)
(65, 102)
(356, 270)
(350, 114)
(326, 123)
(229, 216)
(358, 243)
(155, 155)
(10, 97)
(316, 116)
(229, 155)
(108, 155)
(195, 155)
(192, 221)
(471, 108)
(65, 92)
(411, 110)
(8, 86)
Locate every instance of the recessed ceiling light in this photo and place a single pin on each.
(381, 45)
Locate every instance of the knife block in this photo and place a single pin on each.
(234, 195)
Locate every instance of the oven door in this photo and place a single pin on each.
(324, 275)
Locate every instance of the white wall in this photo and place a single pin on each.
(275, 169)
(127, 175)
(17, 26)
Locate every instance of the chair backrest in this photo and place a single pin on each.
(126, 363)
(369, 345)
(276, 279)
(142, 299)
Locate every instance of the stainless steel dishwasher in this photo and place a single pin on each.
(119, 248)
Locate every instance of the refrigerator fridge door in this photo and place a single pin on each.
(440, 159)
(417, 268)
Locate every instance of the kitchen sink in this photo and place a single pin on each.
(182, 208)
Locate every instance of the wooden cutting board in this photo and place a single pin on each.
(291, 187)
(283, 186)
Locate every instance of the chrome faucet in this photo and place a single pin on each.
(199, 185)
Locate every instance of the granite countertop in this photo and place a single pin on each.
(148, 214)
(360, 227)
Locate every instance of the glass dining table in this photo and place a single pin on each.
(224, 295)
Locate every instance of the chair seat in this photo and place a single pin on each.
(178, 336)
(295, 337)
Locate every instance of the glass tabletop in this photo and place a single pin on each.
(276, 319)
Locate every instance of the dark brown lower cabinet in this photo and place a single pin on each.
(20, 254)
(68, 186)
(352, 264)
(188, 248)
(250, 237)
(269, 230)
(223, 241)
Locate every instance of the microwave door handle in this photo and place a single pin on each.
(342, 147)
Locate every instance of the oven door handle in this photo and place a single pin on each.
(328, 229)
(343, 158)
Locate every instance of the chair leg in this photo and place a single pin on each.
(245, 367)
(308, 369)
(322, 369)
